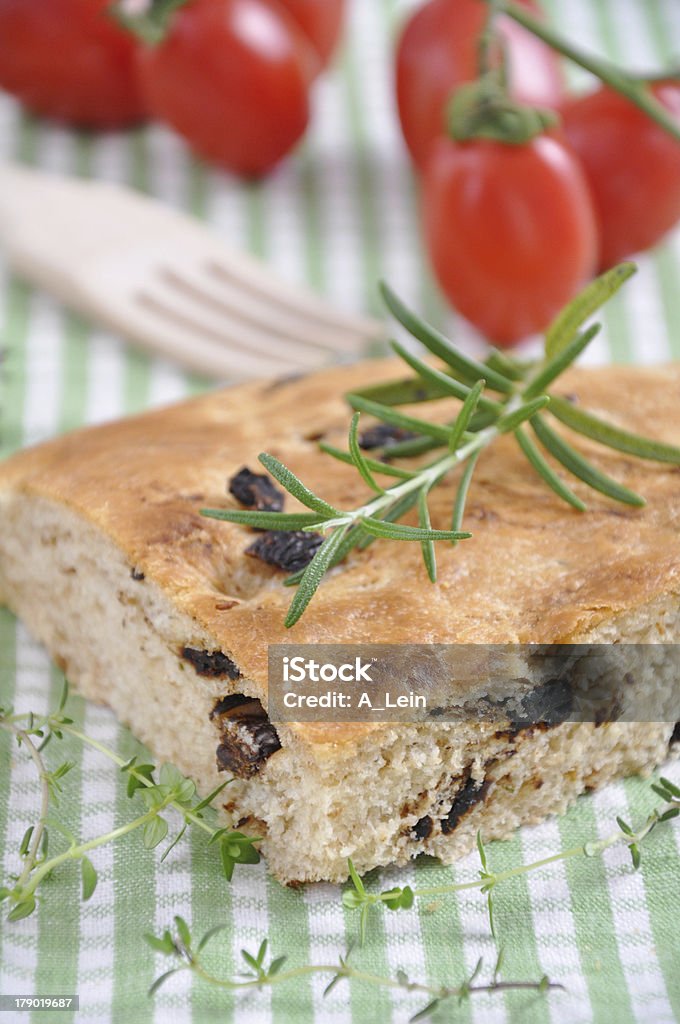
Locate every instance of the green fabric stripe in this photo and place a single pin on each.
(618, 329)
(368, 1002)
(134, 874)
(211, 905)
(197, 191)
(593, 920)
(12, 399)
(288, 917)
(667, 272)
(15, 329)
(441, 929)
(137, 373)
(659, 854)
(59, 925)
(76, 332)
(310, 189)
(253, 194)
(369, 227)
(197, 203)
(8, 627)
(59, 921)
(13, 373)
(515, 933)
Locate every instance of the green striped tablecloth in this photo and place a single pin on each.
(340, 214)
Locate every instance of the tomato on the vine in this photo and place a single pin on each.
(632, 166)
(510, 231)
(438, 51)
(233, 76)
(69, 60)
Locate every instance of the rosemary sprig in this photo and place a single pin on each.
(522, 396)
(170, 792)
(261, 972)
(356, 896)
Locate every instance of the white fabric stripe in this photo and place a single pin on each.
(642, 302)
(554, 924)
(173, 881)
(43, 370)
(168, 383)
(404, 948)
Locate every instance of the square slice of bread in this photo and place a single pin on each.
(159, 612)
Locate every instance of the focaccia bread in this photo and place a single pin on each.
(159, 612)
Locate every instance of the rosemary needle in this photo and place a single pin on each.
(525, 399)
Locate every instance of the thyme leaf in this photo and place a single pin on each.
(172, 793)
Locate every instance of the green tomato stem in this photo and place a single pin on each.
(621, 81)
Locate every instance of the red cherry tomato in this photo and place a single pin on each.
(321, 21)
(632, 166)
(68, 59)
(438, 51)
(232, 77)
(510, 231)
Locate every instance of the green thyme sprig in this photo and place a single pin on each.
(499, 396)
(169, 791)
(261, 972)
(357, 897)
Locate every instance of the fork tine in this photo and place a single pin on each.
(227, 301)
(247, 274)
(160, 331)
(213, 334)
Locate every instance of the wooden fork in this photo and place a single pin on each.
(165, 282)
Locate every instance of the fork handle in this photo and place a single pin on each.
(27, 195)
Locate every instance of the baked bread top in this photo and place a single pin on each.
(535, 570)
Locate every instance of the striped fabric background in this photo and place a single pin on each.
(339, 214)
